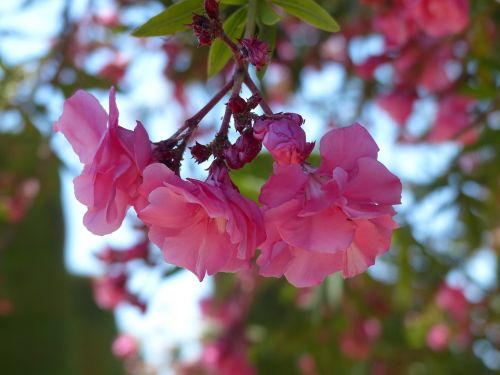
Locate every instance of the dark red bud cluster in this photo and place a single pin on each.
(200, 152)
(241, 110)
(244, 150)
(255, 51)
(204, 29)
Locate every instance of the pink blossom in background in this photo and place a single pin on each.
(284, 137)
(398, 104)
(397, 26)
(125, 346)
(337, 217)
(438, 18)
(453, 117)
(224, 359)
(224, 313)
(357, 342)
(438, 337)
(115, 70)
(110, 290)
(453, 301)
(206, 227)
(435, 76)
(6, 306)
(113, 159)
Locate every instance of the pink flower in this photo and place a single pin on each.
(438, 337)
(396, 25)
(452, 118)
(282, 135)
(398, 104)
(334, 218)
(206, 227)
(125, 346)
(453, 301)
(224, 360)
(440, 17)
(113, 159)
(110, 290)
(435, 76)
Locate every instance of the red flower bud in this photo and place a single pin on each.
(212, 9)
(200, 152)
(203, 29)
(255, 51)
(243, 151)
(237, 104)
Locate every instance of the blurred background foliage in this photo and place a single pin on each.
(430, 306)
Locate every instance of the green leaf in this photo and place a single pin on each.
(267, 15)
(233, 2)
(171, 20)
(309, 11)
(267, 34)
(219, 53)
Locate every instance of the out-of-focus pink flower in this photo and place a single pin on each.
(110, 290)
(398, 104)
(396, 25)
(357, 341)
(283, 136)
(125, 346)
(453, 301)
(366, 69)
(138, 251)
(307, 365)
(440, 17)
(222, 360)
(453, 116)
(438, 337)
(113, 159)
(6, 306)
(206, 227)
(226, 313)
(334, 218)
(115, 70)
(256, 51)
(435, 76)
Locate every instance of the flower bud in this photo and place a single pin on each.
(203, 28)
(244, 150)
(237, 104)
(200, 152)
(212, 9)
(283, 137)
(255, 51)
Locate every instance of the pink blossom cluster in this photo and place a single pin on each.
(455, 327)
(425, 47)
(312, 222)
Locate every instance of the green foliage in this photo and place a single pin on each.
(173, 19)
(55, 327)
(267, 16)
(309, 11)
(220, 53)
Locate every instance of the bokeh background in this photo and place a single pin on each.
(428, 306)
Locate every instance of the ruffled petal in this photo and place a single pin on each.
(343, 147)
(83, 123)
